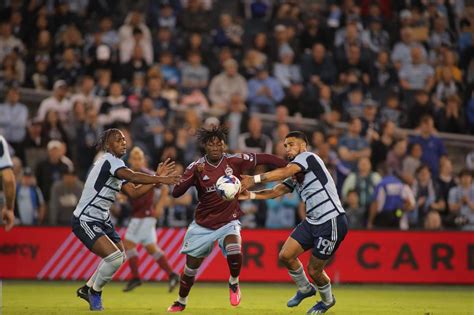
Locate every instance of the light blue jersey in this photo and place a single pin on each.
(316, 188)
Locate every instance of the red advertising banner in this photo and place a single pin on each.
(363, 257)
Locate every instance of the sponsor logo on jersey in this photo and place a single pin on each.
(229, 171)
(211, 188)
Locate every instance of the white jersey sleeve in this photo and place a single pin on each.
(301, 160)
(115, 164)
(5, 159)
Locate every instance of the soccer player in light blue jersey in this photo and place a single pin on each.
(323, 229)
(91, 219)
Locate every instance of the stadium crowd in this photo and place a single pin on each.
(162, 69)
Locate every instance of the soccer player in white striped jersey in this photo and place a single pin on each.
(323, 229)
(91, 219)
(9, 186)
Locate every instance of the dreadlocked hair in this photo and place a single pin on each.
(104, 138)
(205, 135)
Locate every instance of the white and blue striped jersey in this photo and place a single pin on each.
(5, 159)
(100, 189)
(316, 188)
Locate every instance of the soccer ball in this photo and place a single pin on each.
(228, 186)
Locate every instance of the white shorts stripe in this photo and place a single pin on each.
(86, 229)
(334, 233)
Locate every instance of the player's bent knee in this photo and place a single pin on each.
(285, 257)
(158, 254)
(115, 260)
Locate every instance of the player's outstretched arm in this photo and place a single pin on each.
(272, 176)
(188, 180)
(276, 191)
(269, 159)
(9, 188)
(135, 191)
(142, 178)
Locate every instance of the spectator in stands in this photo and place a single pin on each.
(228, 33)
(155, 94)
(109, 36)
(264, 92)
(164, 42)
(443, 184)
(40, 78)
(363, 182)
(86, 92)
(440, 33)
(295, 98)
(354, 105)
(68, 69)
(53, 129)
(135, 32)
(370, 121)
(395, 157)
(286, 71)
(115, 110)
(427, 200)
(194, 18)
(137, 65)
(253, 60)
(432, 146)
(446, 86)
(87, 136)
(352, 146)
(392, 110)
(12, 70)
(383, 76)
(8, 41)
(319, 67)
(13, 120)
(356, 214)
(226, 84)
(171, 74)
(352, 61)
(381, 146)
(402, 51)
(254, 140)
(281, 211)
(236, 121)
(30, 205)
(65, 194)
(422, 107)
(416, 75)
(375, 37)
(411, 162)
(461, 199)
(147, 129)
(449, 60)
(391, 199)
(450, 118)
(196, 44)
(313, 32)
(58, 102)
(194, 75)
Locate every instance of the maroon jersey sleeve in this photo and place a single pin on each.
(271, 160)
(187, 180)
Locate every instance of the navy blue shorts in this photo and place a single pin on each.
(324, 238)
(89, 232)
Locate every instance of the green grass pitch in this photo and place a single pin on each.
(28, 297)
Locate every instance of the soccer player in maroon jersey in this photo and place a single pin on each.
(142, 230)
(215, 218)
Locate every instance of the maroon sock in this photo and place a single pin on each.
(235, 263)
(133, 263)
(163, 263)
(185, 285)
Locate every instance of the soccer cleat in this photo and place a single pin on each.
(173, 281)
(176, 307)
(83, 293)
(300, 296)
(321, 307)
(95, 300)
(132, 284)
(234, 291)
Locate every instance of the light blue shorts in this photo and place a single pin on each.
(199, 241)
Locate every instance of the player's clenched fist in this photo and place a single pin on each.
(8, 218)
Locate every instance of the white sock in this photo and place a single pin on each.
(183, 300)
(106, 270)
(91, 280)
(233, 280)
(326, 293)
(299, 277)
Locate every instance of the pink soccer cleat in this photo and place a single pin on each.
(234, 290)
(176, 307)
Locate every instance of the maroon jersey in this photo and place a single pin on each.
(144, 206)
(212, 211)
